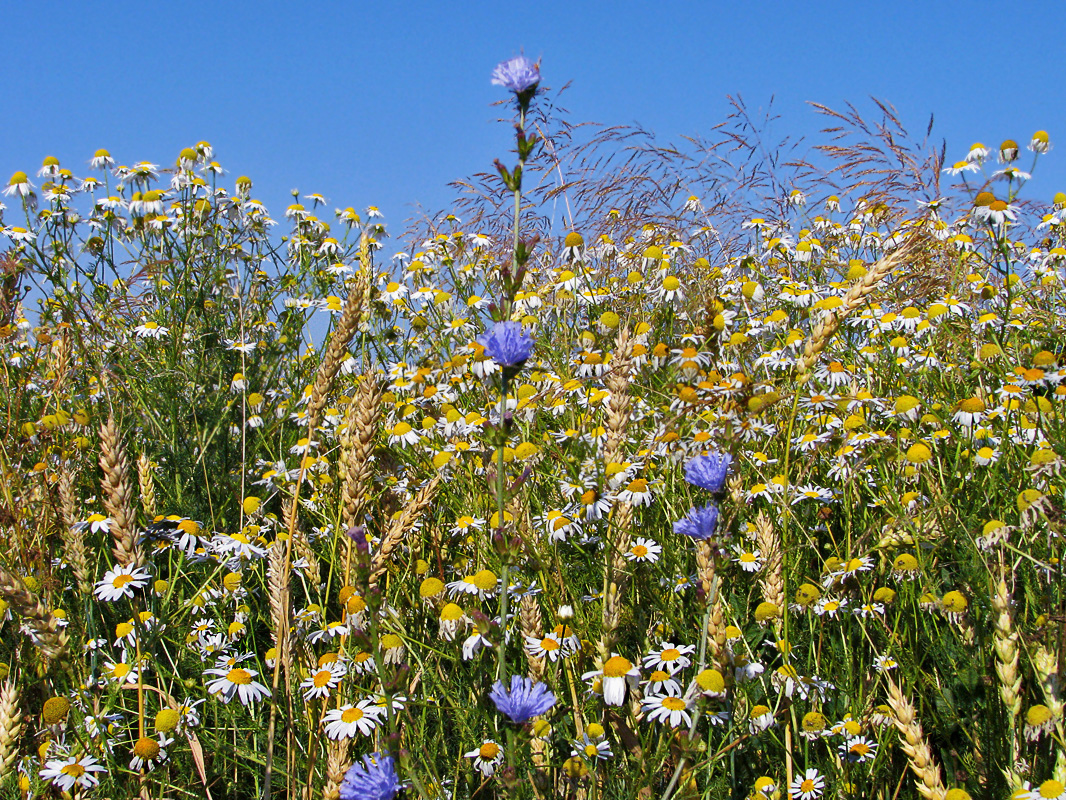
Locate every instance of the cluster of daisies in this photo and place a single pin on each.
(967, 382)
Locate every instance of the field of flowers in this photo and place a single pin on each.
(685, 501)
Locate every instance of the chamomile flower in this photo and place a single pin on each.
(858, 749)
(617, 673)
(67, 773)
(349, 720)
(808, 786)
(647, 550)
(121, 582)
(486, 758)
(669, 657)
(667, 709)
(149, 752)
(321, 682)
(591, 751)
(236, 682)
(1048, 790)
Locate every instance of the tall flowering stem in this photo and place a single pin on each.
(522, 77)
(506, 344)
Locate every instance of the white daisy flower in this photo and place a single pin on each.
(667, 709)
(68, 772)
(121, 582)
(236, 682)
(348, 720)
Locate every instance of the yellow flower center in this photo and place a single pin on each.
(616, 667)
(241, 677)
(74, 770)
(352, 715)
(488, 751)
(146, 748)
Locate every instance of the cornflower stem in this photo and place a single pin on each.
(501, 670)
(522, 108)
(681, 762)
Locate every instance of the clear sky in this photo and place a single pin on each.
(384, 103)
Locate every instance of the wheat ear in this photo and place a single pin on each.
(855, 297)
(400, 527)
(10, 727)
(1005, 643)
(772, 581)
(621, 520)
(532, 624)
(52, 640)
(74, 535)
(357, 447)
(912, 740)
(118, 496)
(146, 484)
(337, 349)
(337, 763)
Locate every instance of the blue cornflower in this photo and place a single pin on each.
(506, 344)
(708, 472)
(374, 779)
(525, 700)
(699, 523)
(517, 74)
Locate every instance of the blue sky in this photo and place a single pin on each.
(385, 103)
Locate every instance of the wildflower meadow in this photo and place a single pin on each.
(641, 473)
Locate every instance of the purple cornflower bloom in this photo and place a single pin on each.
(517, 74)
(699, 523)
(708, 472)
(506, 344)
(525, 700)
(374, 779)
